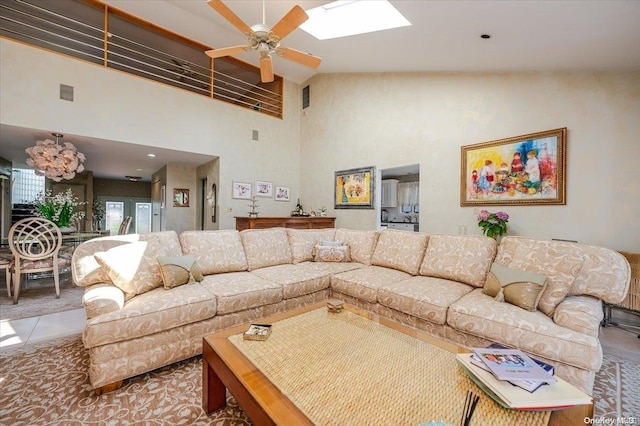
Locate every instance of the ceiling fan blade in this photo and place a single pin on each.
(306, 59)
(226, 51)
(266, 69)
(289, 22)
(228, 14)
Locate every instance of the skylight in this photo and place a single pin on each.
(350, 17)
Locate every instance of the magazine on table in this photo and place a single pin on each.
(512, 364)
(528, 385)
(554, 396)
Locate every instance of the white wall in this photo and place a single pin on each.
(116, 106)
(390, 120)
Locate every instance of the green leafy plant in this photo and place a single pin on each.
(493, 224)
(59, 208)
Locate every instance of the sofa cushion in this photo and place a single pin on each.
(331, 268)
(561, 268)
(296, 280)
(152, 312)
(464, 258)
(239, 291)
(134, 267)
(302, 242)
(215, 251)
(400, 250)
(178, 270)
(266, 247)
(533, 332)
(364, 283)
(427, 298)
(361, 243)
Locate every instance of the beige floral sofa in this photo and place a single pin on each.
(431, 282)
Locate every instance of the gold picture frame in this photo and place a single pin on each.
(521, 170)
(180, 197)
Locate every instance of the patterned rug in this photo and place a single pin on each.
(38, 297)
(61, 394)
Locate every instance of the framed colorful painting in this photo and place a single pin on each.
(522, 170)
(354, 188)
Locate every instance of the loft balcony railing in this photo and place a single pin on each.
(101, 34)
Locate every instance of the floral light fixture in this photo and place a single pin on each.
(55, 161)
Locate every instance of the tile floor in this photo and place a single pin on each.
(37, 329)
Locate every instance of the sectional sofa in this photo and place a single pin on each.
(431, 282)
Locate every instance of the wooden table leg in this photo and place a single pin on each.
(214, 393)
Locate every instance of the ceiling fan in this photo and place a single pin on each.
(265, 39)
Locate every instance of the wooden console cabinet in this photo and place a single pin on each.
(313, 222)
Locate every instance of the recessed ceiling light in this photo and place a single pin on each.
(138, 170)
(348, 17)
(151, 155)
(485, 36)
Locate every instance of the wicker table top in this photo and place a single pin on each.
(348, 369)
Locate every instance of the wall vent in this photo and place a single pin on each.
(255, 136)
(305, 97)
(66, 92)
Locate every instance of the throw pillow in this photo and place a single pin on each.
(179, 270)
(132, 267)
(332, 253)
(520, 288)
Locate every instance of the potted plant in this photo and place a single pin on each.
(97, 214)
(59, 209)
(493, 225)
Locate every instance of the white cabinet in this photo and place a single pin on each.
(413, 227)
(389, 193)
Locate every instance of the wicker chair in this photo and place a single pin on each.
(631, 303)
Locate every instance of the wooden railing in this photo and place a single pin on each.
(101, 34)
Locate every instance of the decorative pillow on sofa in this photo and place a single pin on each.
(516, 287)
(539, 256)
(332, 252)
(133, 267)
(303, 242)
(179, 270)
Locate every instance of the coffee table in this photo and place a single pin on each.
(321, 368)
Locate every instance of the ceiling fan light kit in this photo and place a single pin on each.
(264, 39)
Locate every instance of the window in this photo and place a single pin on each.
(27, 186)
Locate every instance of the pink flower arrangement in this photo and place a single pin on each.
(493, 224)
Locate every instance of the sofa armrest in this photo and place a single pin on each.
(102, 298)
(580, 313)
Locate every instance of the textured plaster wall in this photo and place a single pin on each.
(390, 120)
(116, 106)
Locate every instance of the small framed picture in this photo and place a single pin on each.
(180, 197)
(241, 190)
(264, 189)
(283, 193)
(257, 332)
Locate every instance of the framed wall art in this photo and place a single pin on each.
(241, 191)
(180, 197)
(283, 193)
(521, 170)
(354, 188)
(264, 189)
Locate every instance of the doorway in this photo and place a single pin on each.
(116, 209)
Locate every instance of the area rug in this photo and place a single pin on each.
(38, 297)
(47, 384)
